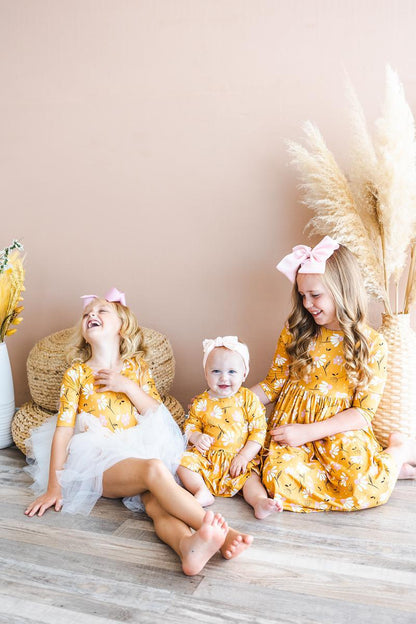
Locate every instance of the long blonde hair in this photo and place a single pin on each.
(132, 343)
(343, 280)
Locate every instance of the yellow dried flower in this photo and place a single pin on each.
(12, 276)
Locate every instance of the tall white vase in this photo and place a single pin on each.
(6, 397)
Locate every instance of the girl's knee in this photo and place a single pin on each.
(156, 471)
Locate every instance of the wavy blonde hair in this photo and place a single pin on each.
(132, 343)
(343, 280)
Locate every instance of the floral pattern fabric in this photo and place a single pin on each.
(231, 421)
(114, 410)
(343, 472)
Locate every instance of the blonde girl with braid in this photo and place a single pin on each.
(326, 380)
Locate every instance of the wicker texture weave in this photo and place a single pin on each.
(396, 411)
(46, 365)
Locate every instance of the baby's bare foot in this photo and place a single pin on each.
(204, 497)
(235, 543)
(198, 548)
(266, 506)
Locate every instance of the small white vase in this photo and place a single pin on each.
(7, 406)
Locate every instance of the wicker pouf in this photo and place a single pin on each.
(46, 365)
(31, 416)
(27, 418)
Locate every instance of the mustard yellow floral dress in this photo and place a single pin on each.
(343, 472)
(113, 409)
(231, 421)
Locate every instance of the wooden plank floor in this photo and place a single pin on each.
(110, 567)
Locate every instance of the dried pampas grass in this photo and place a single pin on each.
(373, 210)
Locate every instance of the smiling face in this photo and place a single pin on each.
(100, 319)
(224, 372)
(317, 300)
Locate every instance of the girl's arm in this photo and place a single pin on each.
(53, 495)
(116, 382)
(243, 457)
(258, 390)
(297, 434)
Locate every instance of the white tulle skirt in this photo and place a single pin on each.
(93, 449)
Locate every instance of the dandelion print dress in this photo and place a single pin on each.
(114, 410)
(343, 472)
(231, 421)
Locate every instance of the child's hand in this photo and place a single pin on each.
(108, 379)
(294, 434)
(238, 465)
(51, 498)
(203, 442)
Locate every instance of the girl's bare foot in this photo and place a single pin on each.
(204, 497)
(266, 506)
(407, 472)
(198, 548)
(235, 543)
(406, 445)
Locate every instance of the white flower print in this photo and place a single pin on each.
(66, 416)
(384, 497)
(201, 405)
(239, 401)
(237, 416)
(336, 466)
(271, 474)
(343, 479)
(355, 459)
(321, 474)
(338, 360)
(278, 384)
(324, 387)
(373, 470)
(88, 390)
(228, 438)
(102, 402)
(73, 374)
(334, 450)
(341, 395)
(103, 420)
(62, 391)
(216, 412)
(312, 346)
(348, 502)
(336, 339)
(146, 388)
(150, 373)
(361, 482)
(280, 360)
(125, 419)
(286, 456)
(322, 506)
(296, 508)
(319, 360)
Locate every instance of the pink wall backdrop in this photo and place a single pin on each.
(142, 145)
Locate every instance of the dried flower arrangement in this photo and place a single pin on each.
(372, 210)
(12, 277)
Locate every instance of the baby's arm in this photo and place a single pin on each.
(53, 495)
(243, 457)
(194, 429)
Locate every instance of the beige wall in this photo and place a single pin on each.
(142, 145)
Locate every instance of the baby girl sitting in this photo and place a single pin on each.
(226, 429)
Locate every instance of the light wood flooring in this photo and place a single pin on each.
(110, 567)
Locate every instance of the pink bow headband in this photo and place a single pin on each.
(229, 342)
(304, 259)
(113, 296)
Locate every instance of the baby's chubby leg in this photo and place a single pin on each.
(256, 496)
(195, 484)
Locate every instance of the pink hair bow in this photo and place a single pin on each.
(113, 295)
(229, 342)
(304, 259)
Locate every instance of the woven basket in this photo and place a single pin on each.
(30, 416)
(396, 411)
(46, 365)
